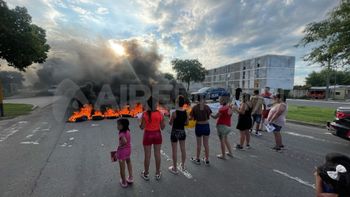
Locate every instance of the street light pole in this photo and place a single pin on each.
(1, 101)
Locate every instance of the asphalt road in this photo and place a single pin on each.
(319, 103)
(43, 157)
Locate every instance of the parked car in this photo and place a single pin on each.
(209, 93)
(341, 125)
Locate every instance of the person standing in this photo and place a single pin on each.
(277, 118)
(245, 122)
(152, 123)
(201, 114)
(257, 104)
(178, 120)
(223, 125)
(267, 103)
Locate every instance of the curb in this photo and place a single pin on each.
(307, 124)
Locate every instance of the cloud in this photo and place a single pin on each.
(102, 10)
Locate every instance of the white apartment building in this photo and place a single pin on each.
(274, 71)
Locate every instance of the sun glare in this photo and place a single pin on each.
(117, 48)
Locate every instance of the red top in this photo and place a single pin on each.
(154, 123)
(224, 118)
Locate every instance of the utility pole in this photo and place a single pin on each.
(328, 78)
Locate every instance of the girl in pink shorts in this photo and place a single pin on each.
(124, 152)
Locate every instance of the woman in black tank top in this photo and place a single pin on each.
(178, 120)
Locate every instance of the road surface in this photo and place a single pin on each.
(43, 157)
(319, 103)
(35, 101)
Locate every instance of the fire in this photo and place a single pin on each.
(82, 115)
(87, 113)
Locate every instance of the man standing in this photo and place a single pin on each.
(257, 104)
(267, 103)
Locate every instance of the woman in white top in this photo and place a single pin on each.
(277, 118)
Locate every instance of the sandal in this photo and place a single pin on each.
(221, 157)
(145, 176)
(123, 185)
(173, 170)
(130, 180)
(158, 176)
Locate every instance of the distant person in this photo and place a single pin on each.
(152, 122)
(257, 104)
(201, 114)
(245, 121)
(267, 95)
(332, 179)
(277, 118)
(124, 152)
(237, 101)
(178, 120)
(223, 125)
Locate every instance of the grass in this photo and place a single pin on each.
(314, 115)
(12, 110)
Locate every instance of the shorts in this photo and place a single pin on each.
(177, 135)
(223, 130)
(277, 128)
(265, 113)
(257, 118)
(123, 153)
(202, 130)
(152, 137)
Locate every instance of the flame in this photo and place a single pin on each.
(138, 108)
(111, 114)
(83, 114)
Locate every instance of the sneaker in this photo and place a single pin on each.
(257, 133)
(282, 146)
(248, 146)
(239, 147)
(123, 185)
(130, 180)
(206, 162)
(229, 154)
(158, 176)
(173, 170)
(181, 167)
(196, 161)
(221, 157)
(145, 176)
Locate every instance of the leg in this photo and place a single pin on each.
(222, 145)
(122, 170)
(147, 160)
(242, 138)
(157, 157)
(206, 146)
(228, 145)
(174, 150)
(183, 152)
(199, 146)
(247, 137)
(278, 139)
(128, 162)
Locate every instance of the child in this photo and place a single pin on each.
(124, 152)
(178, 121)
(223, 126)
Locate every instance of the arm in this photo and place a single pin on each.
(143, 123)
(281, 109)
(187, 119)
(216, 115)
(123, 141)
(173, 116)
(319, 190)
(162, 123)
(241, 110)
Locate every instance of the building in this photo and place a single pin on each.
(337, 92)
(274, 71)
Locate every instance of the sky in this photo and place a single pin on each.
(217, 32)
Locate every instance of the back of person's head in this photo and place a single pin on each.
(152, 103)
(336, 172)
(267, 88)
(201, 98)
(124, 124)
(181, 101)
(245, 97)
(256, 92)
(281, 97)
(225, 98)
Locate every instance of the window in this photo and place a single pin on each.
(337, 93)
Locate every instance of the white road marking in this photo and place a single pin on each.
(295, 179)
(72, 131)
(29, 136)
(64, 144)
(165, 155)
(312, 138)
(71, 139)
(23, 122)
(95, 125)
(3, 137)
(184, 172)
(30, 142)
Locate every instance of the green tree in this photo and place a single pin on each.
(169, 76)
(21, 42)
(330, 40)
(189, 70)
(336, 78)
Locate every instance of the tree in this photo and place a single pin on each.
(169, 76)
(21, 42)
(336, 78)
(330, 40)
(189, 70)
